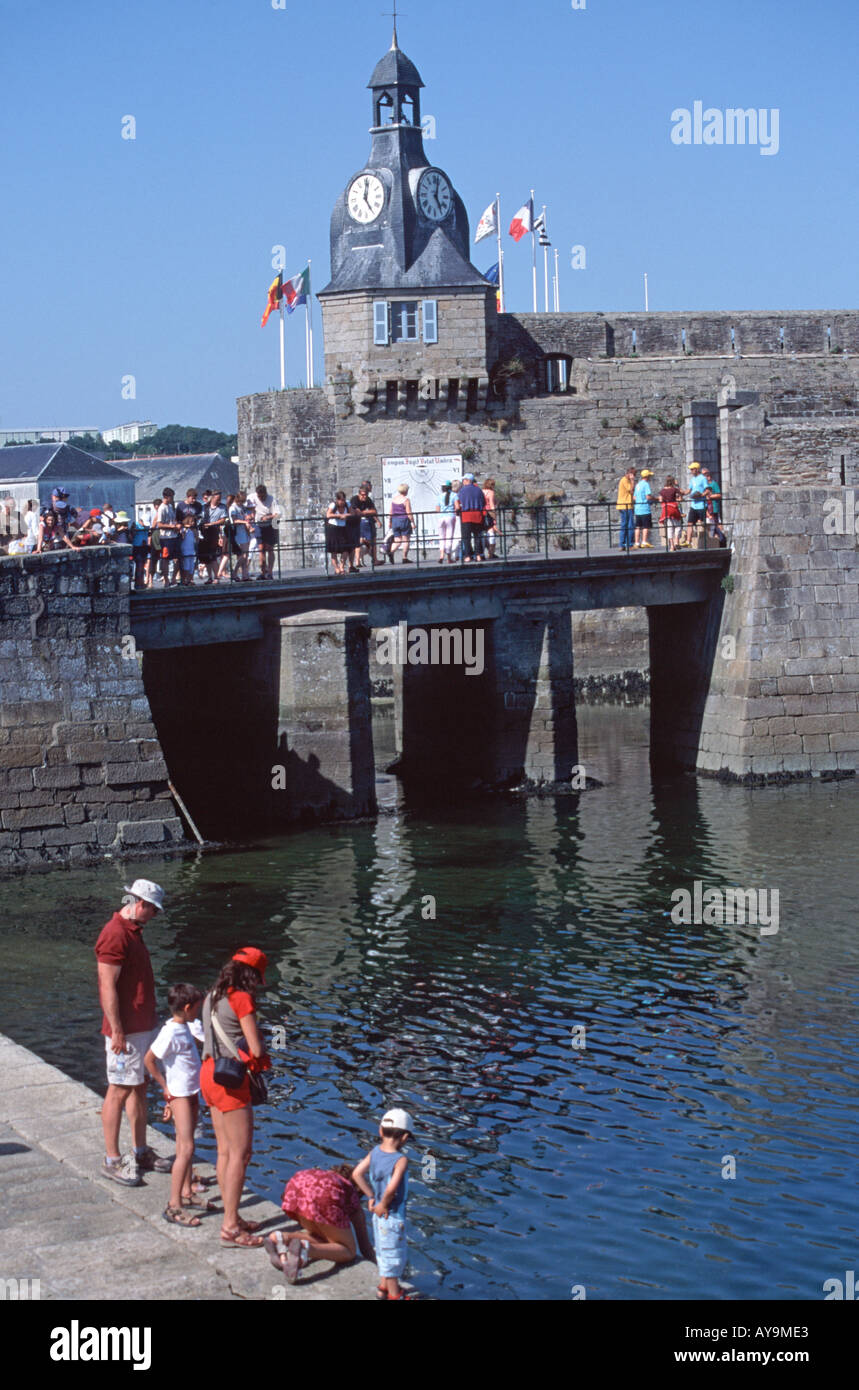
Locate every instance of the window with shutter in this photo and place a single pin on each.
(430, 316)
(380, 322)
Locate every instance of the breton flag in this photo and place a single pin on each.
(540, 226)
(296, 290)
(523, 222)
(275, 292)
(488, 225)
(492, 275)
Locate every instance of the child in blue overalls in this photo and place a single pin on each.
(387, 1190)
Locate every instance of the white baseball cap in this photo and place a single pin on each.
(147, 890)
(398, 1119)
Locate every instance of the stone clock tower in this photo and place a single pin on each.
(408, 320)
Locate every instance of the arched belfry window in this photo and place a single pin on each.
(409, 111)
(385, 109)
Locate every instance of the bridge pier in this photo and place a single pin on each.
(535, 737)
(683, 639)
(324, 766)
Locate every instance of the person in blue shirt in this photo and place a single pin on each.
(138, 535)
(697, 494)
(641, 508)
(387, 1190)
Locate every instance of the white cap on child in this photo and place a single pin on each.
(398, 1119)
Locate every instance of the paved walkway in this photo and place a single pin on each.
(84, 1237)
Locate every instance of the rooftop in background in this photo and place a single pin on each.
(181, 472)
(24, 462)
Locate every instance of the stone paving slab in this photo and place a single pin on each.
(86, 1238)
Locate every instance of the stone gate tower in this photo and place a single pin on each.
(408, 320)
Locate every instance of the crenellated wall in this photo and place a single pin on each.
(628, 376)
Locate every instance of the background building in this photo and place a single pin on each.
(181, 472)
(419, 365)
(129, 434)
(40, 436)
(30, 473)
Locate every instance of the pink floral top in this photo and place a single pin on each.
(317, 1194)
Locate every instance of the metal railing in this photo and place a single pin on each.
(535, 531)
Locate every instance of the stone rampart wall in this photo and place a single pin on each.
(81, 769)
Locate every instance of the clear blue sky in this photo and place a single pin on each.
(152, 256)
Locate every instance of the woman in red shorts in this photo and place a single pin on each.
(327, 1205)
(233, 1002)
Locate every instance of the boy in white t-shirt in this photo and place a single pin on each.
(175, 1050)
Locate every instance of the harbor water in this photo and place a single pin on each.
(606, 1100)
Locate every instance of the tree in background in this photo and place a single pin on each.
(170, 439)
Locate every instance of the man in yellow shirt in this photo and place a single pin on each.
(625, 489)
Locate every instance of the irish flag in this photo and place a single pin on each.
(522, 222)
(296, 290)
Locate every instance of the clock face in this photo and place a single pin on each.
(366, 198)
(435, 195)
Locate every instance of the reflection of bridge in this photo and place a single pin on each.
(245, 679)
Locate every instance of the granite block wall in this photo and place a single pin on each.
(784, 694)
(81, 770)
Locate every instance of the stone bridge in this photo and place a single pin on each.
(487, 688)
(257, 698)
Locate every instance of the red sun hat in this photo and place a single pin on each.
(254, 957)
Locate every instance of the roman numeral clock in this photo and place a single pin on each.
(408, 320)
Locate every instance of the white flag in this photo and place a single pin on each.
(487, 226)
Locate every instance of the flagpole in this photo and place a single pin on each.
(309, 328)
(500, 250)
(557, 284)
(545, 260)
(282, 351)
(646, 295)
(533, 255)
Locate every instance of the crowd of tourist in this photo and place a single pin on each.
(636, 500)
(467, 528)
(211, 538)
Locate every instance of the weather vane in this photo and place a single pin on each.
(393, 15)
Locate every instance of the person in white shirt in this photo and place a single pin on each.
(31, 525)
(174, 1062)
(266, 512)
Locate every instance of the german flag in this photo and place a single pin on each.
(275, 294)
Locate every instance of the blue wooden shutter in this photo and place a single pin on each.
(380, 322)
(430, 308)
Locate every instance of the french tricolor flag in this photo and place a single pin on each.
(523, 222)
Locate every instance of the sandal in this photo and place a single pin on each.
(203, 1205)
(242, 1240)
(296, 1259)
(250, 1226)
(276, 1250)
(177, 1217)
(199, 1183)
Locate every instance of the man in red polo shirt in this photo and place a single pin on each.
(126, 989)
(471, 506)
